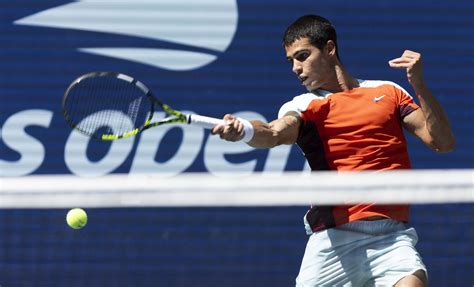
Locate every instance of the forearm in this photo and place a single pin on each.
(264, 136)
(430, 124)
(278, 132)
(437, 123)
(259, 134)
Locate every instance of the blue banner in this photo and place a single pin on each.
(211, 58)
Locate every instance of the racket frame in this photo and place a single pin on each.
(176, 116)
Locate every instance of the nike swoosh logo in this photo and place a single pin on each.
(204, 24)
(376, 99)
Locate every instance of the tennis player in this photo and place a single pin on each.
(349, 124)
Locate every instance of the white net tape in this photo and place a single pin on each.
(197, 189)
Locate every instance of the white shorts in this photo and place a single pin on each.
(360, 253)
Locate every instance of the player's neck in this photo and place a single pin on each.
(342, 81)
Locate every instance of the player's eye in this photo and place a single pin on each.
(301, 57)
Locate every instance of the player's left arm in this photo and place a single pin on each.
(430, 122)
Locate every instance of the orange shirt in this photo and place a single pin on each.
(359, 129)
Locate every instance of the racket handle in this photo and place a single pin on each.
(203, 121)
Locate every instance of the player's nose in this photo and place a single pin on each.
(297, 68)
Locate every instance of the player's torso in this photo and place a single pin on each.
(359, 129)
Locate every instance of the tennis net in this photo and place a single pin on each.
(202, 230)
(196, 189)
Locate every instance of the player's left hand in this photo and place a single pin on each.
(411, 61)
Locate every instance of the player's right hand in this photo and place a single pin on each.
(232, 129)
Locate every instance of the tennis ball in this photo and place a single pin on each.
(76, 218)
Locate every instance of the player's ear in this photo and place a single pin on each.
(331, 48)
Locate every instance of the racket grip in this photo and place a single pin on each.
(203, 121)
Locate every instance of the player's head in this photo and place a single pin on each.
(311, 46)
(318, 30)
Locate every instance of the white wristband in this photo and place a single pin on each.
(248, 130)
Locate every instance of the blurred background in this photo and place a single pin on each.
(212, 58)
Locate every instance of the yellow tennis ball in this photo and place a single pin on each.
(76, 218)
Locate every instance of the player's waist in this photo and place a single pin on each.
(319, 218)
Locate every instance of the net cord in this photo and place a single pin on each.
(258, 189)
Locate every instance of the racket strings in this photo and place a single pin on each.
(106, 105)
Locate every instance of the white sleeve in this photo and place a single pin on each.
(299, 104)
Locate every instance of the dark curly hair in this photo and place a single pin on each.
(316, 28)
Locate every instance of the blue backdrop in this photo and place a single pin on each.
(212, 58)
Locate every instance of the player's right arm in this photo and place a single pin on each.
(266, 135)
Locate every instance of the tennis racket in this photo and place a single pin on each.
(110, 106)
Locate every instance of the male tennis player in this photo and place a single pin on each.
(344, 123)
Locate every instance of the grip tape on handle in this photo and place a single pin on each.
(203, 121)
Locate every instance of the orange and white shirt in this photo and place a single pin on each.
(359, 129)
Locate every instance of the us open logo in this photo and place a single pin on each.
(201, 29)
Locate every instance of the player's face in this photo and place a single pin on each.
(310, 64)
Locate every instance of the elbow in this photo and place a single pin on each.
(445, 146)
